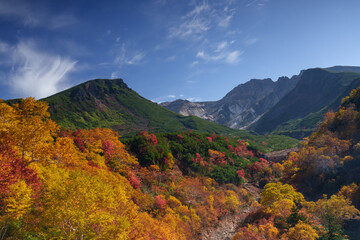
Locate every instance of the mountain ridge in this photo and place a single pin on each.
(242, 105)
(318, 91)
(283, 109)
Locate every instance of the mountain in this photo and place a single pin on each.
(317, 91)
(112, 104)
(290, 106)
(241, 106)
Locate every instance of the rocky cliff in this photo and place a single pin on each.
(242, 106)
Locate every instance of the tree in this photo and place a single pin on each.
(29, 128)
(302, 231)
(332, 213)
(274, 192)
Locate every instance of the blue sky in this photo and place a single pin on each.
(168, 49)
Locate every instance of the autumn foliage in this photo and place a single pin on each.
(87, 184)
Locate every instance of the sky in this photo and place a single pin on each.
(168, 49)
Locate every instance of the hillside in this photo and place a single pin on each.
(112, 104)
(317, 91)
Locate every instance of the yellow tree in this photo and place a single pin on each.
(28, 125)
(7, 118)
(302, 231)
(85, 205)
(338, 207)
(274, 192)
(19, 200)
(64, 153)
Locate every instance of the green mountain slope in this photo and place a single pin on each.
(299, 112)
(112, 104)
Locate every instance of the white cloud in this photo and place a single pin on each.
(200, 54)
(126, 57)
(221, 46)
(135, 59)
(194, 99)
(167, 98)
(171, 58)
(207, 57)
(225, 21)
(258, 3)
(230, 57)
(194, 63)
(191, 28)
(114, 75)
(201, 19)
(198, 9)
(251, 41)
(191, 81)
(233, 57)
(36, 73)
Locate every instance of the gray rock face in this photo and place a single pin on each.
(242, 106)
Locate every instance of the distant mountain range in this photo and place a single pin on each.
(291, 106)
(241, 106)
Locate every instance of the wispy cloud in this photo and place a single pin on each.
(127, 57)
(194, 63)
(167, 98)
(136, 58)
(257, 3)
(250, 41)
(201, 19)
(222, 53)
(193, 99)
(221, 46)
(171, 58)
(233, 57)
(191, 81)
(114, 75)
(192, 28)
(36, 73)
(224, 22)
(171, 97)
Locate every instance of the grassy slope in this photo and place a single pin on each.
(111, 104)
